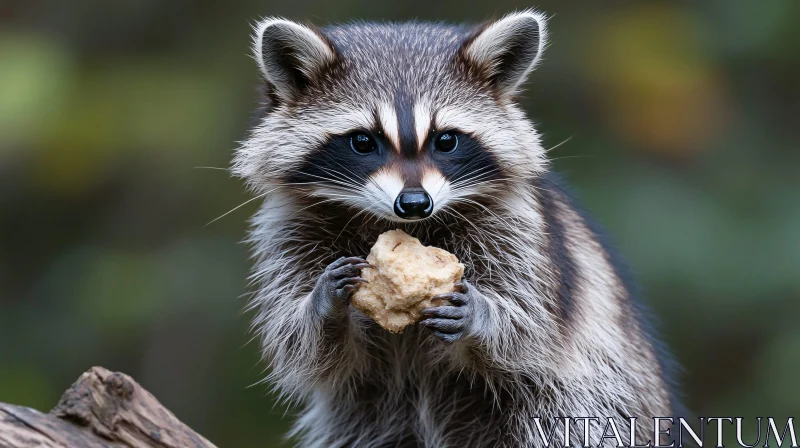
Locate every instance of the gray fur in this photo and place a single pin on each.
(545, 324)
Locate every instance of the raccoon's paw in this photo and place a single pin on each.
(337, 283)
(460, 319)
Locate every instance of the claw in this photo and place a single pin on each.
(348, 270)
(445, 296)
(344, 261)
(448, 312)
(351, 281)
(448, 326)
(455, 298)
(458, 299)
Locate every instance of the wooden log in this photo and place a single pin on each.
(102, 409)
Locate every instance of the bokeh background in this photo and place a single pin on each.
(678, 125)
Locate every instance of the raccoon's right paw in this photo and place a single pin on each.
(336, 284)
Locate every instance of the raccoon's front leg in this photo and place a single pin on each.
(502, 337)
(331, 294)
(308, 341)
(466, 315)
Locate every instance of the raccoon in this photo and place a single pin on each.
(368, 127)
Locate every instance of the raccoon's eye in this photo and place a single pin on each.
(362, 143)
(446, 142)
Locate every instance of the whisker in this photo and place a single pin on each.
(577, 156)
(349, 184)
(239, 206)
(559, 145)
(209, 168)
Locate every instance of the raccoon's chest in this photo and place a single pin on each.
(412, 384)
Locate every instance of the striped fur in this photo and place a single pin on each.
(564, 336)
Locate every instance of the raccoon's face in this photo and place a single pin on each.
(400, 121)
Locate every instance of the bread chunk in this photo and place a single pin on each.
(403, 279)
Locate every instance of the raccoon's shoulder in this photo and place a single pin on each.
(562, 211)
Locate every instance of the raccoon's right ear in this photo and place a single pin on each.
(290, 55)
(504, 52)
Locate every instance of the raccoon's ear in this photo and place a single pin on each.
(504, 52)
(290, 55)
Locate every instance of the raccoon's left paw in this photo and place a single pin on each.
(466, 312)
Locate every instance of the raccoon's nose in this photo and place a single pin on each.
(413, 203)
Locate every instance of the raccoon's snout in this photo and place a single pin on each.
(413, 203)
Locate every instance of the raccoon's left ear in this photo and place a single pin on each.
(290, 55)
(506, 51)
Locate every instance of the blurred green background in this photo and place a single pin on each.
(682, 120)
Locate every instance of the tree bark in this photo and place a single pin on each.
(102, 409)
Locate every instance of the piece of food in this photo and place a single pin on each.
(403, 279)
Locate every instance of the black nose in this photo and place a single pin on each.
(413, 204)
